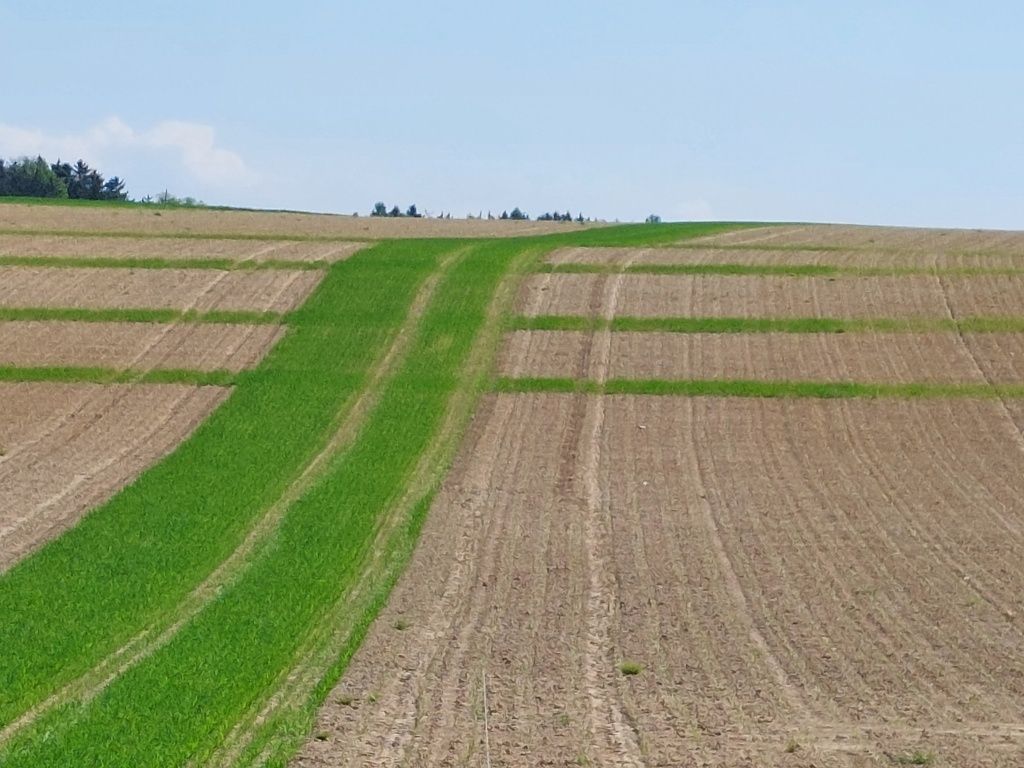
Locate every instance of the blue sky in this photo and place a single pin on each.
(871, 112)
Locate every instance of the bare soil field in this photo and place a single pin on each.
(136, 346)
(882, 259)
(934, 358)
(797, 582)
(66, 448)
(200, 221)
(999, 355)
(173, 248)
(868, 237)
(199, 289)
(768, 296)
(993, 295)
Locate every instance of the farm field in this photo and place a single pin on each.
(178, 289)
(870, 238)
(42, 249)
(279, 491)
(145, 221)
(899, 358)
(835, 261)
(68, 447)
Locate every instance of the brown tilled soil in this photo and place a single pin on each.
(999, 355)
(63, 218)
(851, 236)
(136, 346)
(66, 448)
(173, 248)
(200, 289)
(881, 259)
(998, 295)
(799, 582)
(760, 296)
(936, 358)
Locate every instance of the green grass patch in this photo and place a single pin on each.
(771, 270)
(757, 388)
(730, 325)
(114, 376)
(111, 262)
(647, 235)
(135, 558)
(767, 324)
(783, 270)
(139, 316)
(183, 700)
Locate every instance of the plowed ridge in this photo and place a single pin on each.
(68, 448)
(198, 289)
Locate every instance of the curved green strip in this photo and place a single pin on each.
(183, 700)
(79, 598)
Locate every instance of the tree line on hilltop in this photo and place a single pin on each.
(27, 177)
(380, 209)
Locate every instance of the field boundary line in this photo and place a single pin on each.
(144, 262)
(140, 315)
(727, 269)
(766, 388)
(86, 375)
(241, 236)
(321, 660)
(704, 324)
(350, 417)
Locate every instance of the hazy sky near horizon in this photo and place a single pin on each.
(870, 112)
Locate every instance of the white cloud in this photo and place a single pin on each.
(193, 146)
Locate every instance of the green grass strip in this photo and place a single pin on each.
(784, 270)
(145, 235)
(138, 316)
(772, 270)
(183, 700)
(134, 559)
(645, 235)
(757, 388)
(767, 324)
(114, 376)
(111, 262)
